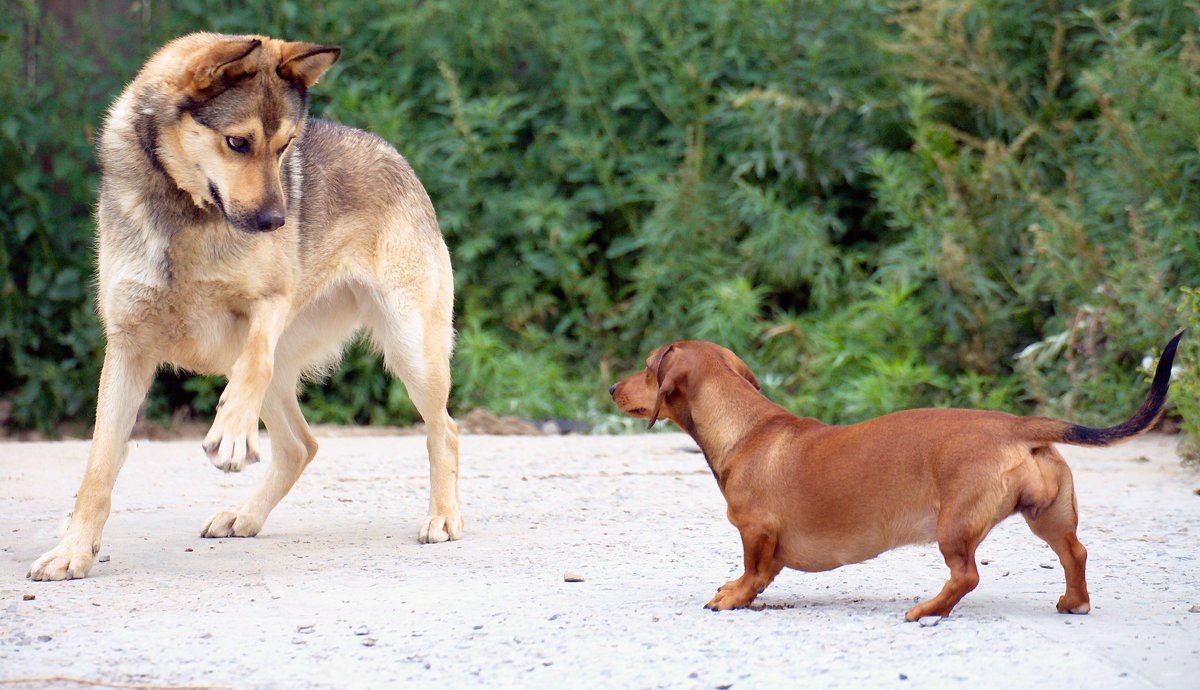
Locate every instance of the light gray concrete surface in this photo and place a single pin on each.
(337, 593)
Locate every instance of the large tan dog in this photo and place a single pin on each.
(236, 237)
(813, 497)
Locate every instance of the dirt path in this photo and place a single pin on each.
(337, 593)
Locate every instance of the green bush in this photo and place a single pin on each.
(879, 205)
(1187, 377)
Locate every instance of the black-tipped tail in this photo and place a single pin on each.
(1141, 420)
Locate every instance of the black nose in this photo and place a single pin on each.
(269, 220)
(612, 390)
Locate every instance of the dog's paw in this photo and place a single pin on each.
(61, 564)
(731, 597)
(929, 608)
(439, 528)
(1071, 605)
(230, 524)
(232, 442)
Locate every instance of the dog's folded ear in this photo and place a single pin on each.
(669, 375)
(304, 63)
(221, 66)
(745, 373)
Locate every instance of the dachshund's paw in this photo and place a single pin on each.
(439, 528)
(230, 524)
(1073, 605)
(731, 596)
(729, 585)
(933, 607)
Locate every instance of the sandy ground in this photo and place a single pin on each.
(337, 593)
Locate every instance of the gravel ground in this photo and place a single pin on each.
(337, 593)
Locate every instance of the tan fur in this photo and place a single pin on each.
(813, 497)
(257, 265)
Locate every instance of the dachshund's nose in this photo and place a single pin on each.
(612, 390)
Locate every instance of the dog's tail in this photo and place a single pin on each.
(1049, 430)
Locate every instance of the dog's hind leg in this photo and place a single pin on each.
(124, 380)
(416, 346)
(1056, 525)
(292, 449)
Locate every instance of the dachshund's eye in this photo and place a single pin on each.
(239, 144)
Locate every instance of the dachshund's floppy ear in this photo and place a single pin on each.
(747, 374)
(669, 374)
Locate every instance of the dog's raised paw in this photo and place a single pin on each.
(232, 442)
(56, 565)
(230, 524)
(232, 453)
(438, 528)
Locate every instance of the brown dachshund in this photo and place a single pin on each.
(813, 497)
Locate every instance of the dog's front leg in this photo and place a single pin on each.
(124, 380)
(232, 442)
(758, 550)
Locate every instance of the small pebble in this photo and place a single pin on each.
(104, 558)
(369, 641)
(29, 597)
(305, 629)
(572, 577)
(903, 677)
(929, 621)
(1194, 609)
(44, 638)
(985, 562)
(362, 630)
(188, 550)
(1048, 567)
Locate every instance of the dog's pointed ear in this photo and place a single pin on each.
(304, 63)
(669, 375)
(220, 66)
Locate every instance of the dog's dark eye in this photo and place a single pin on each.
(238, 144)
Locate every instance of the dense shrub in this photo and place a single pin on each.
(879, 205)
